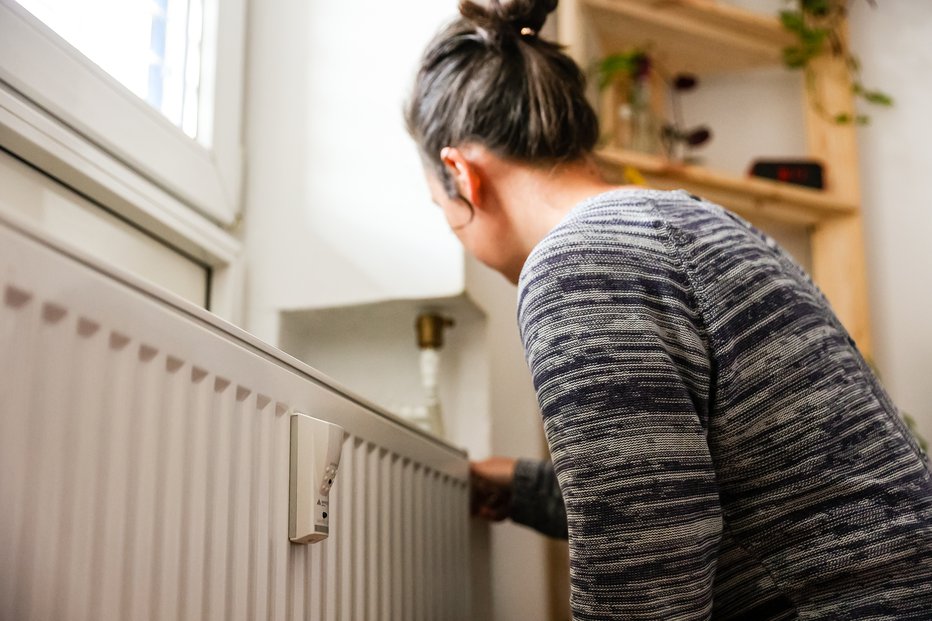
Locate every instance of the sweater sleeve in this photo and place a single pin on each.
(622, 371)
(536, 499)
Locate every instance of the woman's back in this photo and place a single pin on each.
(721, 446)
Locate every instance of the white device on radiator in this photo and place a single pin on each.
(315, 456)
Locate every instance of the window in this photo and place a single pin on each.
(129, 76)
(152, 47)
(136, 105)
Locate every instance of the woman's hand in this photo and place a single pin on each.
(490, 487)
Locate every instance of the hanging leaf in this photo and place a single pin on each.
(793, 21)
(818, 8)
(630, 64)
(878, 98)
(796, 57)
(817, 26)
(814, 38)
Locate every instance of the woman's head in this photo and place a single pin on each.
(489, 79)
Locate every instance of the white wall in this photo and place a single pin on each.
(894, 42)
(337, 210)
(372, 349)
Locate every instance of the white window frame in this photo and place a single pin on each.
(64, 114)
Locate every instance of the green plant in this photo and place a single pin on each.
(817, 25)
(631, 65)
(633, 69)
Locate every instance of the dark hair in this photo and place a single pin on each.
(489, 78)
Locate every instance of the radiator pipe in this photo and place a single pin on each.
(430, 328)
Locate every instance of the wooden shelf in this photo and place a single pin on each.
(755, 199)
(697, 36)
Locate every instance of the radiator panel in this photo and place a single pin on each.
(144, 466)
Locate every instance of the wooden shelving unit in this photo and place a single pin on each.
(706, 37)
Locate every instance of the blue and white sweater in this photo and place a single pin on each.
(722, 449)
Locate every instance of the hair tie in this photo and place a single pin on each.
(527, 32)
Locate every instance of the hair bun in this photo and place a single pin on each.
(512, 17)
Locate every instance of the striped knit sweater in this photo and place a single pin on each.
(722, 449)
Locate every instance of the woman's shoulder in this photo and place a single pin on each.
(611, 229)
(616, 243)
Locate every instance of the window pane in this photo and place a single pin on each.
(153, 47)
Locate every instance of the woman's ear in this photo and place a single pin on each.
(463, 171)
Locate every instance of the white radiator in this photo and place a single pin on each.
(144, 463)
